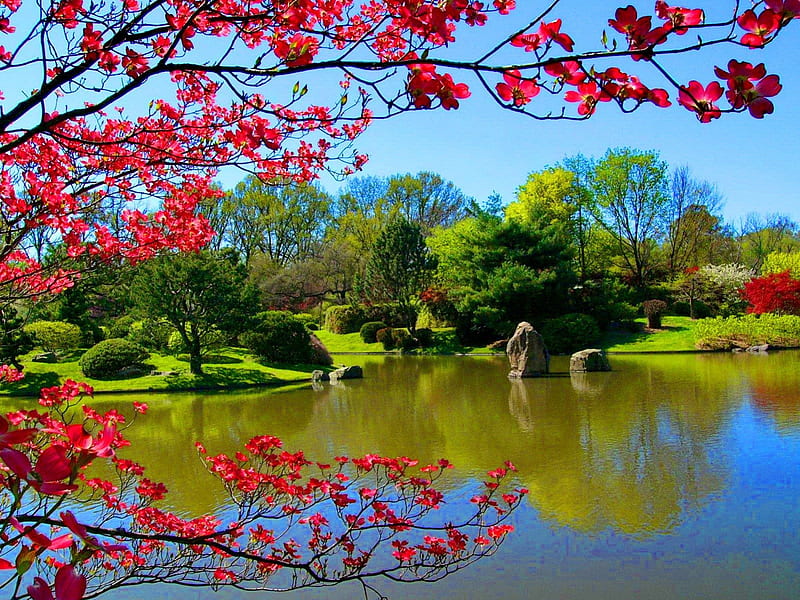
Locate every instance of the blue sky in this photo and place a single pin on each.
(482, 148)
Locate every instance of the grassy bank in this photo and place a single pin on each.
(676, 335)
(444, 342)
(229, 368)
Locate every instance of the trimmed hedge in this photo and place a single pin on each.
(110, 356)
(349, 319)
(570, 333)
(53, 336)
(368, 331)
(724, 333)
(278, 337)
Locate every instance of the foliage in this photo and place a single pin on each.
(653, 309)
(349, 318)
(698, 309)
(153, 334)
(499, 273)
(308, 320)
(569, 333)
(403, 340)
(276, 336)
(426, 200)
(424, 337)
(717, 287)
(197, 294)
(319, 353)
(368, 331)
(631, 191)
(437, 307)
(775, 293)
(14, 340)
(605, 299)
(121, 326)
(544, 196)
(778, 262)
(399, 267)
(385, 337)
(211, 339)
(110, 356)
(724, 333)
(55, 336)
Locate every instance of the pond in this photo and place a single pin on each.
(673, 476)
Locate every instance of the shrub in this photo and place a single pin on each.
(308, 320)
(653, 309)
(152, 334)
(121, 327)
(278, 337)
(682, 309)
(368, 331)
(344, 319)
(110, 356)
(570, 333)
(385, 337)
(424, 337)
(403, 340)
(724, 333)
(773, 293)
(54, 336)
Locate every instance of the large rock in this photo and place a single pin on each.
(591, 359)
(353, 372)
(527, 353)
(45, 357)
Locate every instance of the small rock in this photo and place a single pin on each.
(45, 357)
(591, 359)
(354, 372)
(761, 348)
(319, 375)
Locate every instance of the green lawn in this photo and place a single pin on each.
(676, 335)
(444, 342)
(229, 368)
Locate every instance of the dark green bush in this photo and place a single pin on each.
(319, 353)
(424, 337)
(368, 331)
(278, 337)
(403, 340)
(653, 309)
(682, 309)
(121, 327)
(308, 320)
(385, 337)
(391, 314)
(344, 319)
(108, 357)
(569, 333)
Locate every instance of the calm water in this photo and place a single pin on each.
(673, 476)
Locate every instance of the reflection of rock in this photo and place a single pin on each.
(591, 359)
(353, 372)
(527, 353)
(586, 384)
(519, 407)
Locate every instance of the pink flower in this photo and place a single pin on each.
(701, 99)
(516, 89)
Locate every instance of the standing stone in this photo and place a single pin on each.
(527, 353)
(591, 359)
(352, 372)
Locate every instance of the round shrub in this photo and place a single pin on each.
(108, 357)
(308, 320)
(424, 337)
(53, 336)
(570, 333)
(403, 340)
(121, 327)
(344, 319)
(278, 337)
(385, 337)
(653, 309)
(368, 331)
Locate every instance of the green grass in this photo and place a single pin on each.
(676, 335)
(444, 342)
(229, 368)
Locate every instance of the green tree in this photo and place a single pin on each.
(631, 191)
(426, 199)
(199, 294)
(400, 266)
(14, 340)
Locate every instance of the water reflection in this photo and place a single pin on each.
(655, 458)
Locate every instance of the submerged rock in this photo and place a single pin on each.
(591, 359)
(527, 353)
